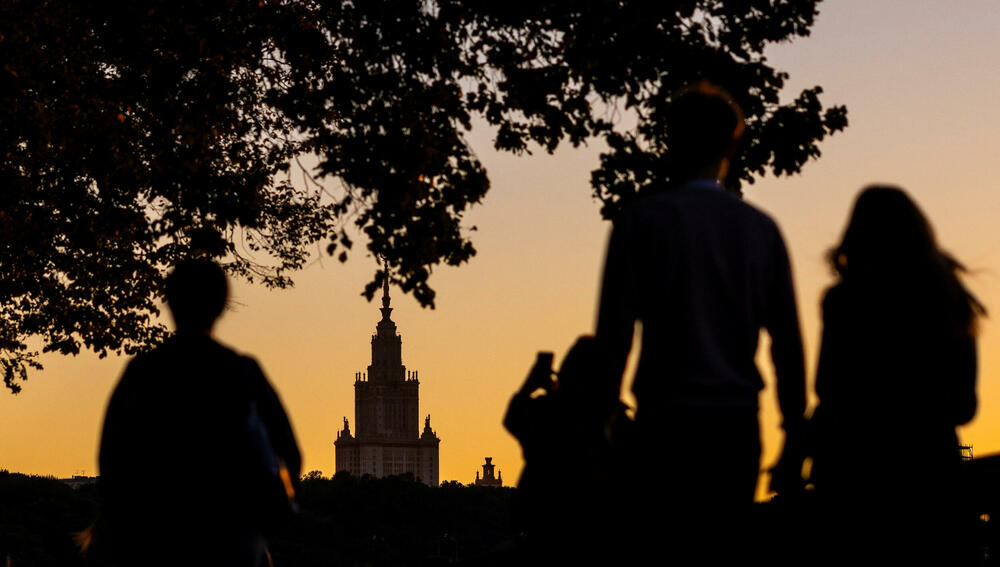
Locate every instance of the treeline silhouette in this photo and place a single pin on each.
(345, 520)
(349, 520)
(38, 517)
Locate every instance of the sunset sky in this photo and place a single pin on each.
(921, 81)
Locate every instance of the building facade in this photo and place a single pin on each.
(387, 440)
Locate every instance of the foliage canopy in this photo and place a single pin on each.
(135, 135)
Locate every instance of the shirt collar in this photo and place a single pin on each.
(711, 184)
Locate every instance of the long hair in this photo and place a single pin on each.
(889, 250)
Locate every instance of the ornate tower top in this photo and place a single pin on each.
(387, 364)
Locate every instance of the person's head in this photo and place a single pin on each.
(704, 126)
(886, 234)
(889, 244)
(197, 292)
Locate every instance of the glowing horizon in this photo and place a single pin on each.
(921, 115)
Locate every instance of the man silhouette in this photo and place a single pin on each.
(179, 481)
(703, 272)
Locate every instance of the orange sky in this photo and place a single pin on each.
(920, 80)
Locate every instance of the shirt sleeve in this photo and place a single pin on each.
(616, 313)
(279, 429)
(831, 349)
(782, 325)
(962, 394)
(120, 435)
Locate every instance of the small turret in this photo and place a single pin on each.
(490, 477)
(345, 433)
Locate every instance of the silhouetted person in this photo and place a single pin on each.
(180, 476)
(897, 373)
(703, 272)
(566, 433)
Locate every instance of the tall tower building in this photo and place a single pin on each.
(387, 440)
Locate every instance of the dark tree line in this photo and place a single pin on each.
(396, 521)
(342, 521)
(133, 136)
(38, 519)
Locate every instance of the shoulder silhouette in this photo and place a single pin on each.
(188, 433)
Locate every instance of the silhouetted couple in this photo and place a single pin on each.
(703, 273)
(194, 443)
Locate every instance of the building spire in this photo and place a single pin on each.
(385, 284)
(386, 310)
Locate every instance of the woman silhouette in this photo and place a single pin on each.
(896, 375)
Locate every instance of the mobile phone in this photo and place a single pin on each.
(540, 375)
(544, 360)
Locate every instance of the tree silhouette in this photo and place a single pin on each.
(133, 136)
